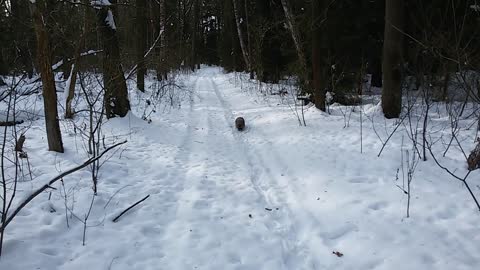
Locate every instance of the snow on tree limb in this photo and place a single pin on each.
(110, 20)
(100, 3)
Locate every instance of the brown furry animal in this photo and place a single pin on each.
(240, 123)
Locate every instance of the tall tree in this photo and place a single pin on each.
(249, 40)
(116, 94)
(69, 112)
(241, 38)
(195, 30)
(163, 39)
(141, 23)
(318, 53)
(393, 58)
(160, 29)
(292, 27)
(228, 44)
(21, 34)
(54, 135)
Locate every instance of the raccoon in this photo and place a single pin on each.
(240, 123)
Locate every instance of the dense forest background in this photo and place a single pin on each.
(327, 44)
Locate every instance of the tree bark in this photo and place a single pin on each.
(247, 24)
(161, 29)
(69, 113)
(318, 67)
(163, 40)
(244, 48)
(292, 27)
(392, 59)
(141, 22)
(71, 90)
(116, 94)
(22, 34)
(195, 30)
(54, 135)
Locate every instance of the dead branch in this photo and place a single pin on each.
(10, 123)
(28, 199)
(19, 144)
(133, 205)
(130, 73)
(463, 180)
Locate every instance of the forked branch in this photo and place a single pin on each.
(37, 192)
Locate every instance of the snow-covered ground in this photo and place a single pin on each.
(276, 196)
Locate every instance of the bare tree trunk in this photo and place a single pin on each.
(19, 12)
(71, 87)
(160, 50)
(246, 57)
(247, 23)
(75, 67)
(195, 30)
(163, 39)
(392, 59)
(296, 40)
(318, 48)
(116, 94)
(181, 32)
(54, 135)
(141, 23)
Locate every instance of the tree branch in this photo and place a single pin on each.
(126, 210)
(55, 179)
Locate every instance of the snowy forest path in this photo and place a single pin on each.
(222, 193)
(274, 196)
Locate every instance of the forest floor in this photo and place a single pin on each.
(276, 196)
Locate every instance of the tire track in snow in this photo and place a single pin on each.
(212, 208)
(169, 187)
(293, 248)
(318, 238)
(165, 164)
(193, 168)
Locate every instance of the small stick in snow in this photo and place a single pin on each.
(338, 253)
(19, 144)
(40, 190)
(10, 123)
(133, 205)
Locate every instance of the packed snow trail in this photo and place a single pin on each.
(273, 197)
(223, 207)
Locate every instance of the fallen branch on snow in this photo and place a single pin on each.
(10, 123)
(133, 205)
(48, 185)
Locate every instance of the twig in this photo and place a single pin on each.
(10, 123)
(391, 134)
(55, 179)
(116, 192)
(146, 54)
(463, 180)
(126, 210)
